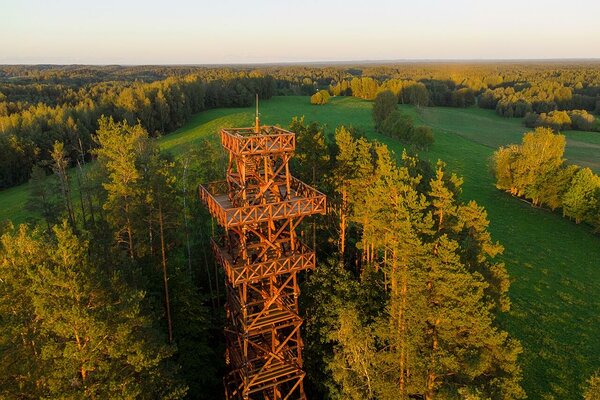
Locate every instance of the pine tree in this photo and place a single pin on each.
(433, 333)
(20, 339)
(60, 165)
(203, 165)
(312, 156)
(92, 339)
(119, 147)
(162, 204)
(400, 327)
(341, 176)
(43, 199)
(443, 193)
(198, 351)
(327, 291)
(361, 205)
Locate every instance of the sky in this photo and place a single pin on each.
(270, 31)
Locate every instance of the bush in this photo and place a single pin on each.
(583, 121)
(399, 126)
(531, 120)
(321, 97)
(422, 137)
(561, 120)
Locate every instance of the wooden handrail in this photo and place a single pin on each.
(305, 201)
(302, 258)
(243, 141)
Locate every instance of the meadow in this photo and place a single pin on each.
(554, 263)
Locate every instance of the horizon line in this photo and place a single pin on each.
(328, 62)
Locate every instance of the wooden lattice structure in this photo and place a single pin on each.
(259, 206)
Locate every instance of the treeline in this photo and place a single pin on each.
(539, 97)
(28, 131)
(579, 120)
(404, 303)
(424, 93)
(114, 294)
(538, 81)
(42, 104)
(536, 170)
(513, 91)
(511, 101)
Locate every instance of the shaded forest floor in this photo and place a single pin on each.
(554, 264)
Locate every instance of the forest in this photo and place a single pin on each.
(42, 104)
(140, 313)
(112, 291)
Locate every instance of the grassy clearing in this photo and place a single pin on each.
(555, 264)
(203, 125)
(488, 129)
(12, 204)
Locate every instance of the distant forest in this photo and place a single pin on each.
(40, 105)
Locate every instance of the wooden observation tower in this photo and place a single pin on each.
(259, 205)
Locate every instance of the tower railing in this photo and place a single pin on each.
(304, 200)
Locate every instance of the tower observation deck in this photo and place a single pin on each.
(259, 205)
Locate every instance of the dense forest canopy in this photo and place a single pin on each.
(146, 297)
(43, 104)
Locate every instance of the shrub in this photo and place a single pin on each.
(399, 126)
(422, 137)
(582, 120)
(561, 120)
(321, 97)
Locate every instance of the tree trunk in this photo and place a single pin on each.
(129, 232)
(64, 185)
(343, 224)
(164, 268)
(431, 375)
(185, 219)
(78, 174)
(403, 361)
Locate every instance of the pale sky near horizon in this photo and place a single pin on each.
(237, 31)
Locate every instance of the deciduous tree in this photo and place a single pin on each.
(385, 102)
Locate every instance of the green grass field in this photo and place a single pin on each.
(554, 264)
